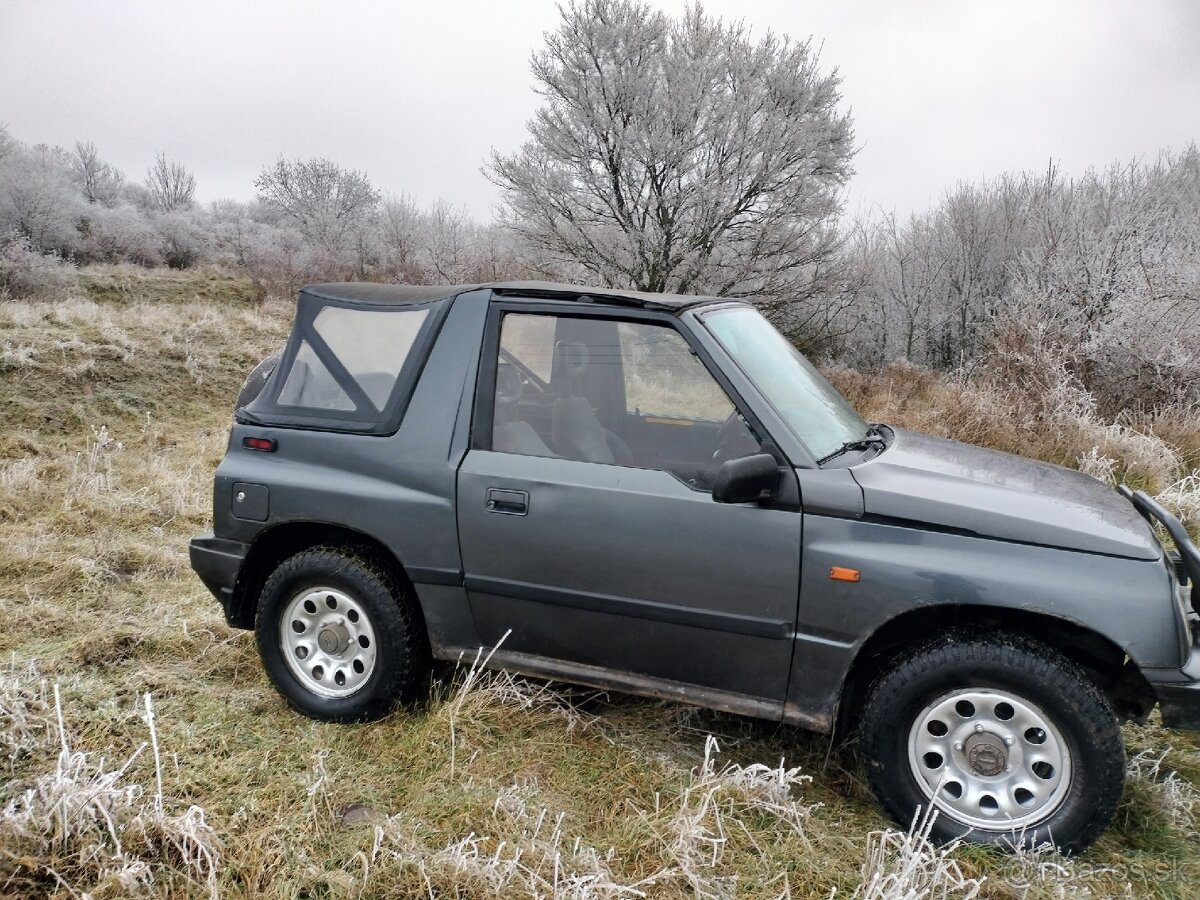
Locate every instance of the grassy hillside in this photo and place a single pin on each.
(116, 409)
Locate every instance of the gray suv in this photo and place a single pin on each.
(658, 494)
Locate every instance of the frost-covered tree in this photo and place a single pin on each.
(327, 203)
(1097, 274)
(122, 234)
(448, 241)
(28, 272)
(170, 184)
(496, 255)
(99, 181)
(38, 199)
(74, 208)
(7, 143)
(398, 223)
(183, 237)
(679, 154)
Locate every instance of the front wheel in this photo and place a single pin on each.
(1008, 739)
(339, 635)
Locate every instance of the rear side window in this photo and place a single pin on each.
(371, 345)
(310, 385)
(349, 366)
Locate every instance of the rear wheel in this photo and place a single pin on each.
(339, 635)
(1008, 739)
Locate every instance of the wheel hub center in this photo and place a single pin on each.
(986, 754)
(333, 638)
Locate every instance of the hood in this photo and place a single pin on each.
(954, 485)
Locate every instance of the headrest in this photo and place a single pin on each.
(572, 358)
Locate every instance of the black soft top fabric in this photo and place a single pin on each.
(362, 292)
(363, 418)
(406, 294)
(263, 410)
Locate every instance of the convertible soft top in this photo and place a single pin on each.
(357, 348)
(407, 294)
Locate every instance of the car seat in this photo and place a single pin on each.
(511, 434)
(575, 428)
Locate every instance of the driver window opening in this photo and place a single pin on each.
(612, 392)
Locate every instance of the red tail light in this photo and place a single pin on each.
(256, 443)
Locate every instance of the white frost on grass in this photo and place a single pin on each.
(715, 802)
(1098, 465)
(908, 866)
(84, 825)
(530, 851)
(1183, 497)
(530, 855)
(1178, 800)
(93, 472)
(1042, 872)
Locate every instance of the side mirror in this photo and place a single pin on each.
(746, 480)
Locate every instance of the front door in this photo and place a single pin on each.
(586, 521)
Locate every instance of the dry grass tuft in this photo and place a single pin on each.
(907, 866)
(716, 804)
(87, 828)
(481, 697)
(22, 712)
(1183, 497)
(1174, 798)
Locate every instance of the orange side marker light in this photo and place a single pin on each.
(840, 573)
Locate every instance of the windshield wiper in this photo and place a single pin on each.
(873, 438)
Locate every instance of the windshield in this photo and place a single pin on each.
(809, 404)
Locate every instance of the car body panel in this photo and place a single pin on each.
(952, 485)
(626, 578)
(630, 569)
(907, 568)
(397, 489)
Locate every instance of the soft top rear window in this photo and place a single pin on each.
(371, 345)
(348, 366)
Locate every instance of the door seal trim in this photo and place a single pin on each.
(430, 575)
(637, 609)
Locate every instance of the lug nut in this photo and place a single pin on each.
(1008, 741)
(978, 727)
(958, 746)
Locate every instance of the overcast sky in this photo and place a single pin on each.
(416, 94)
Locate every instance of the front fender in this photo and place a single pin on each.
(1128, 602)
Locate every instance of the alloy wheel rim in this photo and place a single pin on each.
(990, 759)
(328, 642)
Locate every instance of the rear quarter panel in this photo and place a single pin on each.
(398, 489)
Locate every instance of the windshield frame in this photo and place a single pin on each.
(811, 455)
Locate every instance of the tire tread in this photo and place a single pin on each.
(397, 617)
(1055, 672)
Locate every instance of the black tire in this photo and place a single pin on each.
(996, 665)
(400, 661)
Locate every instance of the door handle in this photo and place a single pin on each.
(511, 503)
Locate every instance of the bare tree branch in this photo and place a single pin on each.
(680, 155)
